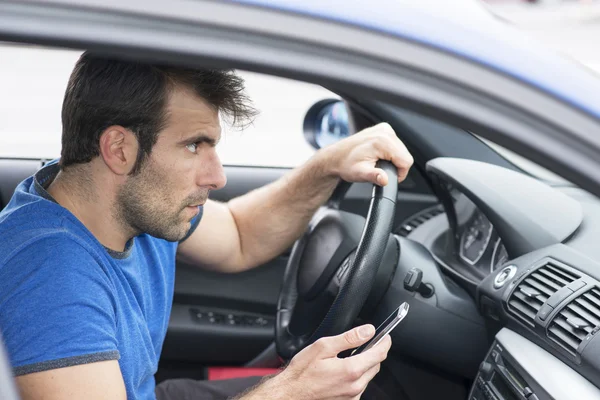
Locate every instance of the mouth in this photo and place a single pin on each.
(198, 203)
(193, 209)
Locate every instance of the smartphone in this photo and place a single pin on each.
(385, 328)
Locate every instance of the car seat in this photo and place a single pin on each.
(8, 389)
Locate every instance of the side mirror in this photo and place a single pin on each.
(326, 122)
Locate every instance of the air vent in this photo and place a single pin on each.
(535, 289)
(412, 222)
(576, 320)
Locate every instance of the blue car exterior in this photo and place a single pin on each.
(466, 30)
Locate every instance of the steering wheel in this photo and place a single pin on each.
(327, 278)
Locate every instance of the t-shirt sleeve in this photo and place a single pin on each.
(57, 307)
(194, 225)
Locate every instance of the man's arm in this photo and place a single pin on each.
(95, 381)
(256, 227)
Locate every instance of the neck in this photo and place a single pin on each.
(94, 209)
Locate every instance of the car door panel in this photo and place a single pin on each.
(223, 318)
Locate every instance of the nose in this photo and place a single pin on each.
(214, 173)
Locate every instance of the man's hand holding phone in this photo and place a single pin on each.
(318, 373)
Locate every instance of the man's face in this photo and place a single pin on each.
(176, 178)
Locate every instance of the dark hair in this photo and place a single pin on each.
(103, 92)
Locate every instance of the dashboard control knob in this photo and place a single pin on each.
(505, 275)
(485, 370)
(413, 282)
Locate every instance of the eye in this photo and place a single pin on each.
(192, 147)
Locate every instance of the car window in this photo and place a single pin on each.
(36, 78)
(33, 81)
(276, 137)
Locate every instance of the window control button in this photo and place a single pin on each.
(228, 319)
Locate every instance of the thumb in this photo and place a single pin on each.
(382, 177)
(350, 339)
(367, 172)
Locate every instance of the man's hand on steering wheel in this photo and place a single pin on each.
(353, 159)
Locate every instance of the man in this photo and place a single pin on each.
(88, 244)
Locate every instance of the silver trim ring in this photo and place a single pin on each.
(505, 275)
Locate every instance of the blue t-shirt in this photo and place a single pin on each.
(67, 300)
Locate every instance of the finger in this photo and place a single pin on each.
(368, 377)
(401, 158)
(374, 355)
(381, 177)
(357, 386)
(404, 167)
(392, 149)
(331, 346)
(370, 374)
(382, 127)
(385, 128)
(367, 172)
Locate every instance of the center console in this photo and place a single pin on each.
(498, 379)
(517, 369)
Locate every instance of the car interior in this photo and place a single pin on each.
(499, 266)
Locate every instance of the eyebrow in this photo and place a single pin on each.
(200, 138)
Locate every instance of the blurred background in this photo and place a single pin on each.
(36, 78)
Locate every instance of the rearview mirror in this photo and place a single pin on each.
(326, 122)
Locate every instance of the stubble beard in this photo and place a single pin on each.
(143, 205)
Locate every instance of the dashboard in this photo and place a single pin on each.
(512, 267)
(527, 255)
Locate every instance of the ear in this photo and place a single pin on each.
(118, 149)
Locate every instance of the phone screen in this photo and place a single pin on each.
(386, 327)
